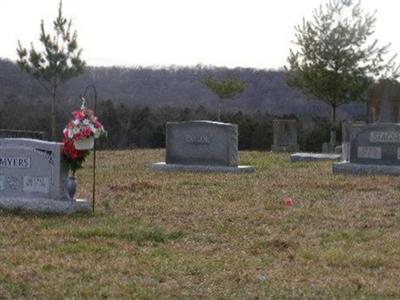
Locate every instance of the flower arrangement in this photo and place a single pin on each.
(84, 125)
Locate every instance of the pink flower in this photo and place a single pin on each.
(288, 202)
(86, 131)
(78, 136)
(79, 115)
(97, 124)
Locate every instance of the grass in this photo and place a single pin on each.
(210, 236)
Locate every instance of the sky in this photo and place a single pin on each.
(157, 33)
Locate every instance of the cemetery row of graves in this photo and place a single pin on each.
(34, 173)
(200, 218)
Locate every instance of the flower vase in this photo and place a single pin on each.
(71, 187)
(85, 144)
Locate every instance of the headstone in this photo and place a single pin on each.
(201, 146)
(349, 130)
(33, 177)
(285, 136)
(328, 148)
(384, 102)
(374, 149)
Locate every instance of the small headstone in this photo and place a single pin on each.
(349, 130)
(33, 177)
(384, 102)
(328, 148)
(285, 136)
(201, 146)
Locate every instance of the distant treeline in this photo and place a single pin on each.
(137, 127)
(145, 127)
(136, 103)
(178, 87)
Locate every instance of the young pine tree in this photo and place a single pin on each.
(224, 89)
(58, 61)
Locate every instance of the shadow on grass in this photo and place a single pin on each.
(27, 214)
(140, 236)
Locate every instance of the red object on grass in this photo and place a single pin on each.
(288, 202)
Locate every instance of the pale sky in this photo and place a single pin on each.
(232, 33)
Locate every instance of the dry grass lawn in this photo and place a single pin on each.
(210, 236)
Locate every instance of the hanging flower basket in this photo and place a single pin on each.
(85, 143)
(78, 137)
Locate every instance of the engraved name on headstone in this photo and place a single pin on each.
(36, 184)
(384, 137)
(369, 152)
(15, 162)
(193, 139)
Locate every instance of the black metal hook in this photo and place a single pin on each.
(82, 97)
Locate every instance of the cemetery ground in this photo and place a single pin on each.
(210, 236)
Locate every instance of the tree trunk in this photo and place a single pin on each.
(53, 121)
(333, 129)
(219, 110)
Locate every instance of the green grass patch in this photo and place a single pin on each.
(210, 236)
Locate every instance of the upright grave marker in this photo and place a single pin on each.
(374, 149)
(285, 136)
(349, 131)
(33, 178)
(383, 103)
(202, 146)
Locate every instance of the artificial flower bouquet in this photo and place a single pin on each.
(83, 127)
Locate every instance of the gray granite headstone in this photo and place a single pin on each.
(33, 177)
(375, 148)
(377, 144)
(202, 145)
(285, 136)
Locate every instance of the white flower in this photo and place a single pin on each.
(75, 122)
(75, 130)
(86, 122)
(70, 134)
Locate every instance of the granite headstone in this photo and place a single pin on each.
(349, 131)
(202, 146)
(383, 102)
(33, 177)
(375, 148)
(284, 136)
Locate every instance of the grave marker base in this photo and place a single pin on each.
(348, 168)
(162, 166)
(42, 205)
